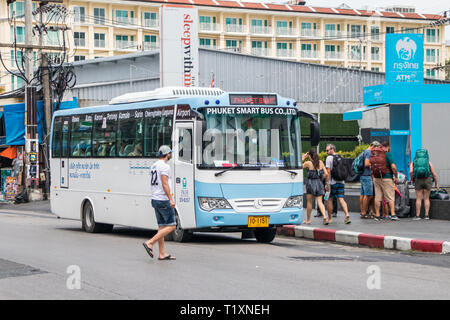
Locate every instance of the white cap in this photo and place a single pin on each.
(164, 150)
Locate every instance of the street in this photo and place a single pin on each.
(41, 257)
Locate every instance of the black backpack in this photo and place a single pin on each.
(340, 170)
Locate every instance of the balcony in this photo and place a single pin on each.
(285, 32)
(310, 33)
(334, 34)
(310, 54)
(285, 53)
(205, 26)
(99, 43)
(99, 20)
(233, 49)
(125, 45)
(125, 21)
(80, 43)
(375, 57)
(261, 30)
(432, 39)
(264, 52)
(236, 28)
(375, 37)
(357, 56)
(151, 23)
(333, 55)
(151, 46)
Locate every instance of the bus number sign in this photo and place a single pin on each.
(253, 99)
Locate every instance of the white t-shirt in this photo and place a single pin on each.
(158, 169)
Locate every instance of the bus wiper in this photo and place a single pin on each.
(221, 172)
(291, 172)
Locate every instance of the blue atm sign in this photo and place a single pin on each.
(404, 58)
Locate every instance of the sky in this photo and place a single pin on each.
(430, 6)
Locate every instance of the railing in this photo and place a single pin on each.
(151, 45)
(357, 56)
(125, 20)
(261, 30)
(333, 55)
(99, 43)
(80, 42)
(125, 45)
(309, 54)
(208, 46)
(309, 33)
(334, 34)
(99, 20)
(151, 23)
(233, 49)
(285, 31)
(432, 39)
(375, 37)
(285, 53)
(207, 26)
(375, 57)
(260, 52)
(235, 28)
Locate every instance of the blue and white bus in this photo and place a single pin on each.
(236, 164)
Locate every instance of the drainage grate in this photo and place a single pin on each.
(326, 258)
(9, 269)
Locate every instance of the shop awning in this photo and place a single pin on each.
(357, 114)
(14, 115)
(10, 152)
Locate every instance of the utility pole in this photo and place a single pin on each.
(31, 154)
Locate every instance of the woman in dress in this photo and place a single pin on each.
(317, 175)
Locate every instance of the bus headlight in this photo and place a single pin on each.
(209, 204)
(294, 201)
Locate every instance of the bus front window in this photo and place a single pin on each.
(263, 137)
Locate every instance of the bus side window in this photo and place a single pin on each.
(80, 136)
(104, 137)
(158, 130)
(56, 137)
(129, 136)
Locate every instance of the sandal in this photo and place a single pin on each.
(148, 249)
(169, 257)
(325, 222)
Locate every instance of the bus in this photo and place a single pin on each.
(236, 164)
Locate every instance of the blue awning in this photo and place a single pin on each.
(357, 114)
(15, 120)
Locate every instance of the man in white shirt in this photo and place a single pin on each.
(162, 202)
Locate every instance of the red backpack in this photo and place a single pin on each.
(378, 162)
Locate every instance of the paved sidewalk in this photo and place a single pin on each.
(41, 207)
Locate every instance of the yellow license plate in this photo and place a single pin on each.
(258, 221)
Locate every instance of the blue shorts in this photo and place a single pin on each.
(165, 214)
(337, 190)
(366, 186)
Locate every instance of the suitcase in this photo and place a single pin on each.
(402, 207)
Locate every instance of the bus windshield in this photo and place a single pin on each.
(250, 137)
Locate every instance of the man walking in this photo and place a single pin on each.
(337, 188)
(162, 202)
(384, 175)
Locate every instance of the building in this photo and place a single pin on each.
(340, 37)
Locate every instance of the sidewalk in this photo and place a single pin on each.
(408, 234)
(40, 207)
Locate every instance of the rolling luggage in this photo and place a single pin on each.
(402, 207)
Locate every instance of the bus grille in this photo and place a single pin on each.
(257, 205)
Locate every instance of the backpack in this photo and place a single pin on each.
(340, 170)
(358, 164)
(378, 162)
(421, 164)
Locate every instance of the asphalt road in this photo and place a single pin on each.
(41, 258)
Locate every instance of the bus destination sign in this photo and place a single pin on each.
(253, 99)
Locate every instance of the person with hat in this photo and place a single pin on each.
(162, 202)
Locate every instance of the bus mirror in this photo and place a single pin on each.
(315, 133)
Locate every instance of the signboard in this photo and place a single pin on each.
(260, 99)
(404, 58)
(179, 46)
(11, 188)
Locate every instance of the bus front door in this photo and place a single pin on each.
(184, 173)
(64, 162)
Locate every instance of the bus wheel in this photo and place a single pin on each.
(265, 235)
(88, 221)
(180, 235)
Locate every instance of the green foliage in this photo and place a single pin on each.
(345, 154)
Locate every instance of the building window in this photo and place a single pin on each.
(99, 16)
(432, 55)
(150, 20)
(375, 33)
(79, 39)
(124, 42)
(376, 69)
(124, 16)
(390, 29)
(355, 31)
(150, 42)
(53, 38)
(19, 36)
(208, 43)
(99, 40)
(432, 35)
(79, 58)
(234, 25)
(375, 53)
(79, 14)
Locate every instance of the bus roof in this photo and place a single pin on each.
(169, 96)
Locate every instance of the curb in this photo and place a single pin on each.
(365, 239)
